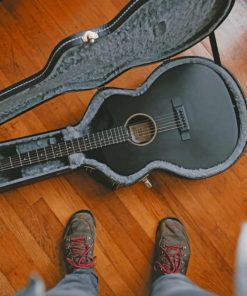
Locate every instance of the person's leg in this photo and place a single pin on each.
(241, 264)
(78, 246)
(176, 285)
(79, 283)
(171, 259)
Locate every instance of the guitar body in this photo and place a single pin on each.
(213, 127)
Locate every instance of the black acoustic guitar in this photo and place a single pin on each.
(186, 117)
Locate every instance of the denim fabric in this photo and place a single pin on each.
(83, 282)
(241, 263)
(176, 285)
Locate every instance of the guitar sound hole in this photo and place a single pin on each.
(142, 129)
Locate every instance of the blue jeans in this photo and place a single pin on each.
(85, 283)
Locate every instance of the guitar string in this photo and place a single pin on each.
(66, 150)
(122, 137)
(158, 118)
(66, 154)
(9, 168)
(167, 117)
(150, 131)
(89, 145)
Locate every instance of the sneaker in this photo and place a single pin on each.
(172, 249)
(78, 241)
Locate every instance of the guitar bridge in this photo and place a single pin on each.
(183, 123)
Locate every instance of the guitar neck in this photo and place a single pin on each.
(66, 148)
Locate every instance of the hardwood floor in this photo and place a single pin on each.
(32, 218)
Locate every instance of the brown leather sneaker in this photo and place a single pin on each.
(78, 241)
(172, 249)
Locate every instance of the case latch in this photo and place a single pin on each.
(147, 182)
(89, 169)
(90, 37)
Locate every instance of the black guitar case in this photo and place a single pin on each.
(144, 32)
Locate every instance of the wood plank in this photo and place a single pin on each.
(32, 218)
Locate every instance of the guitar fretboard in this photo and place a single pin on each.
(66, 148)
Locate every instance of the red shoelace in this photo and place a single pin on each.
(78, 253)
(170, 259)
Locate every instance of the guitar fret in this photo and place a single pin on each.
(52, 149)
(108, 136)
(1, 166)
(66, 148)
(99, 139)
(70, 147)
(119, 135)
(84, 144)
(89, 142)
(73, 144)
(79, 145)
(49, 152)
(56, 150)
(107, 139)
(111, 137)
(103, 141)
(125, 133)
(10, 160)
(16, 161)
(45, 153)
(20, 160)
(59, 146)
(33, 156)
(24, 158)
(41, 154)
(115, 136)
(95, 143)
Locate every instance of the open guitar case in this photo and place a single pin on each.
(144, 32)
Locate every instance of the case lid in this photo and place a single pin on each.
(145, 31)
